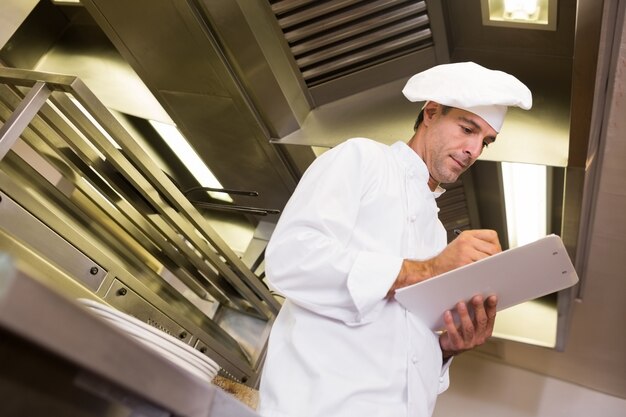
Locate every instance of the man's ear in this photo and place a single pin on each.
(430, 110)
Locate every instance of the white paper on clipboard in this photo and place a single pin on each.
(515, 275)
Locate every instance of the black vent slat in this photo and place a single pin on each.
(332, 38)
(349, 17)
(345, 32)
(316, 10)
(454, 213)
(285, 6)
(371, 38)
(453, 209)
(369, 54)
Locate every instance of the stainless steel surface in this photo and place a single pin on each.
(101, 388)
(125, 214)
(14, 13)
(81, 346)
(253, 45)
(205, 98)
(597, 103)
(124, 298)
(24, 112)
(17, 222)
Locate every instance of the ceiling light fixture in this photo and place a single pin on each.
(523, 14)
(67, 2)
(188, 156)
(525, 195)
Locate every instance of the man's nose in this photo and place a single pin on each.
(474, 148)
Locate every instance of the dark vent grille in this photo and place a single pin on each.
(333, 38)
(454, 212)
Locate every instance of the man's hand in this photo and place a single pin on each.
(469, 333)
(469, 246)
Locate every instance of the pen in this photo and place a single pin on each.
(457, 232)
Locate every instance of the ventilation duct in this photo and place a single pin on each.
(331, 39)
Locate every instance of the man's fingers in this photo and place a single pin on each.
(488, 248)
(491, 306)
(470, 246)
(486, 235)
(480, 315)
(454, 338)
(478, 244)
(467, 326)
(469, 332)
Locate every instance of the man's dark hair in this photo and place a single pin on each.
(420, 117)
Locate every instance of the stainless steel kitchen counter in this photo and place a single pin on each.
(97, 359)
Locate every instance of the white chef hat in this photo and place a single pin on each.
(470, 87)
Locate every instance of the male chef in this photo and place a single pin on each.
(363, 223)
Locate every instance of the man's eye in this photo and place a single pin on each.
(466, 130)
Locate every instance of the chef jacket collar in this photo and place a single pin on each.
(414, 164)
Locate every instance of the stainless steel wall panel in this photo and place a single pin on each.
(17, 222)
(252, 42)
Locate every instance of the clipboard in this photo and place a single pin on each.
(515, 275)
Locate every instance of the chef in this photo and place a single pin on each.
(361, 224)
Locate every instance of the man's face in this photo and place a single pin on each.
(453, 142)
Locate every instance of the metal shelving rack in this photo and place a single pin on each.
(70, 171)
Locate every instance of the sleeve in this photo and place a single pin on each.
(310, 259)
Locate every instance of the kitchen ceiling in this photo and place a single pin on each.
(254, 84)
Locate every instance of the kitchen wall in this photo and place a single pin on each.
(480, 387)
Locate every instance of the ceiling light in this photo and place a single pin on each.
(523, 14)
(67, 2)
(525, 194)
(188, 156)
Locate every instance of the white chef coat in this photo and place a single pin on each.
(339, 347)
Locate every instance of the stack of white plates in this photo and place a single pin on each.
(167, 346)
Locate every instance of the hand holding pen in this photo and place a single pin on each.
(469, 246)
